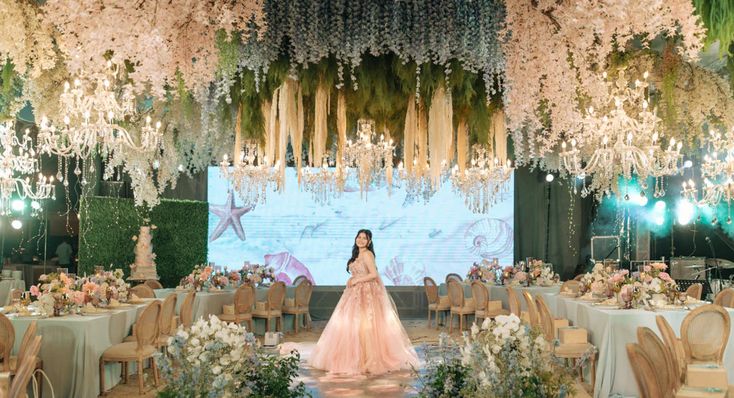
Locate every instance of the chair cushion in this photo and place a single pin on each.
(444, 300)
(571, 350)
(263, 313)
(234, 318)
(127, 352)
(439, 307)
(294, 310)
(14, 363)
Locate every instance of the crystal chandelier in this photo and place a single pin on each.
(717, 172)
(370, 159)
(417, 182)
(251, 175)
(482, 184)
(94, 114)
(324, 182)
(18, 161)
(623, 141)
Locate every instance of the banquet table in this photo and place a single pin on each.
(6, 285)
(497, 292)
(611, 329)
(210, 303)
(72, 345)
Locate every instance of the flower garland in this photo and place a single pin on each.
(567, 63)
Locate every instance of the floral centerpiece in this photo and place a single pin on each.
(235, 277)
(538, 274)
(105, 286)
(56, 292)
(198, 278)
(595, 282)
(218, 359)
(258, 275)
(503, 358)
(485, 271)
(508, 274)
(218, 280)
(652, 283)
(657, 283)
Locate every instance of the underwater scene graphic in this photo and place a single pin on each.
(413, 238)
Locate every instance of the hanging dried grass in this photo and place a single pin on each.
(462, 144)
(440, 129)
(499, 135)
(341, 127)
(409, 135)
(320, 129)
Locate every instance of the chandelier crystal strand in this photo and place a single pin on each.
(717, 172)
(251, 176)
(370, 159)
(325, 182)
(417, 183)
(18, 162)
(624, 140)
(483, 183)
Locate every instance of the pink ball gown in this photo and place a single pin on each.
(364, 334)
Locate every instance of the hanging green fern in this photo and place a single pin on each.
(718, 17)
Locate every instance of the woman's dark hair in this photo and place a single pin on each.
(355, 249)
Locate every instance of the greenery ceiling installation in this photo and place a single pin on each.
(179, 241)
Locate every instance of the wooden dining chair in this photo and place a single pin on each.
(666, 368)
(532, 309)
(459, 306)
(514, 302)
(725, 298)
(243, 303)
(272, 308)
(26, 367)
(142, 291)
(695, 291)
(675, 346)
(7, 340)
(453, 277)
(436, 304)
(186, 312)
(144, 348)
(705, 333)
(299, 279)
(566, 351)
(153, 284)
(644, 370)
(299, 305)
(167, 319)
(480, 294)
(555, 323)
(25, 345)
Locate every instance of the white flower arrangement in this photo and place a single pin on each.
(208, 356)
(504, 355)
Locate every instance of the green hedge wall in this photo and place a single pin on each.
(179, 242)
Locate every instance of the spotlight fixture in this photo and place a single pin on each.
(16, 224)
(549, 177)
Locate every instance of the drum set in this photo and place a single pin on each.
(719, 273)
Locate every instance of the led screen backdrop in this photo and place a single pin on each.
(412, 238)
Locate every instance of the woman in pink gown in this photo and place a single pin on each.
(364, 334)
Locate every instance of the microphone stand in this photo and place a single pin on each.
(716, 262)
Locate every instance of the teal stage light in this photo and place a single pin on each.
(17, 205)
(684, 211)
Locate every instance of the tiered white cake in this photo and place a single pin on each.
(144, 267)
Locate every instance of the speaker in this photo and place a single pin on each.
(688, 267)
(642, 241)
